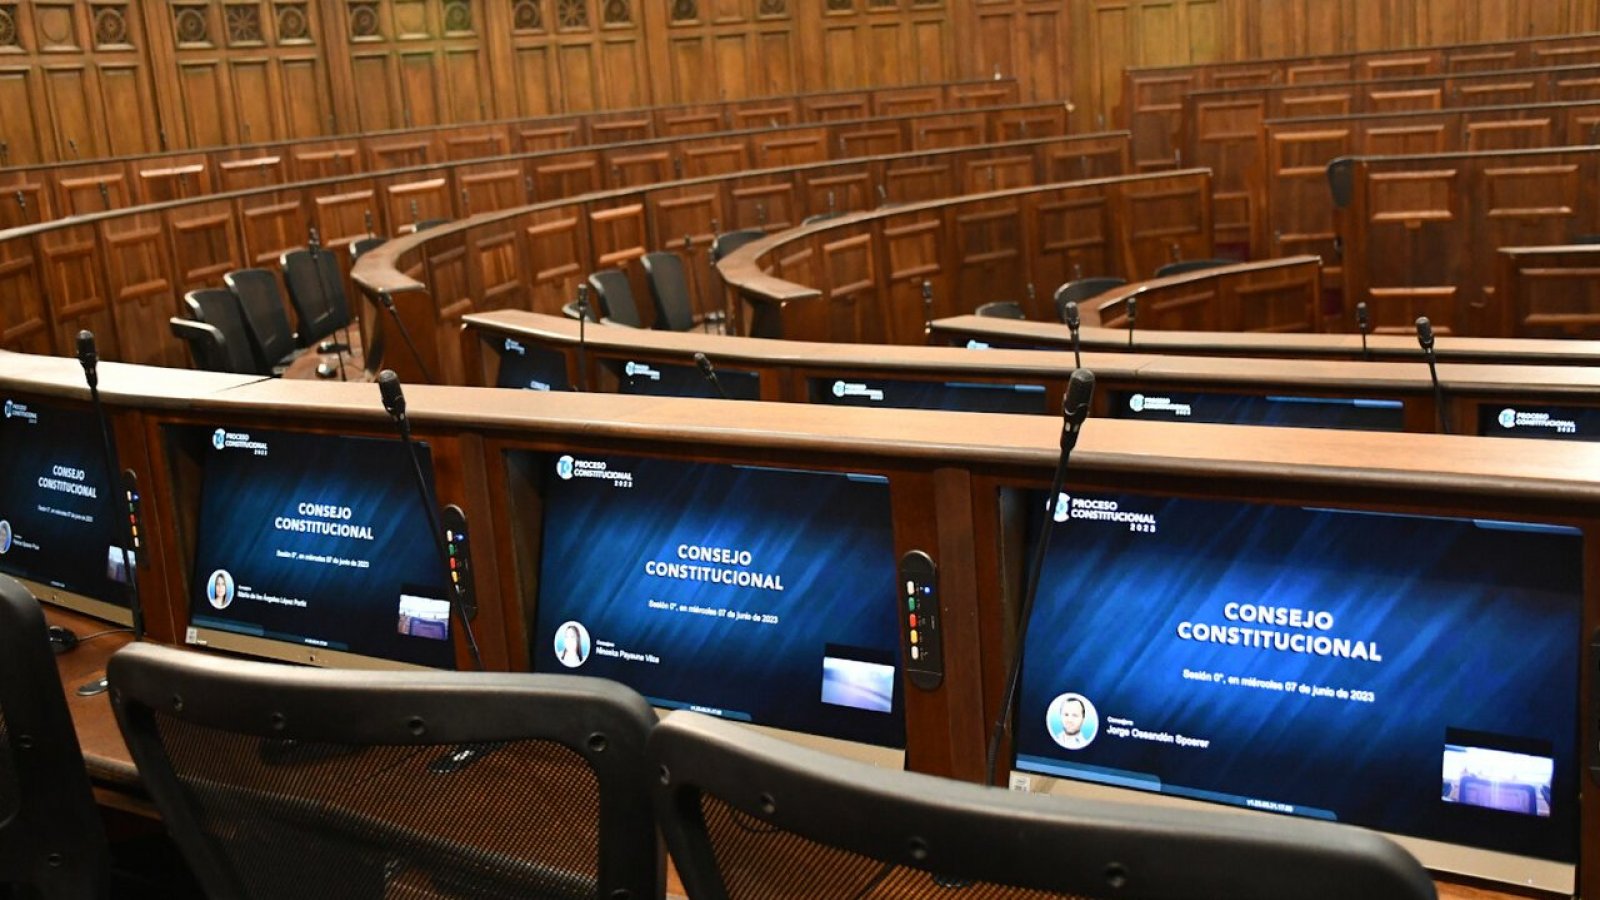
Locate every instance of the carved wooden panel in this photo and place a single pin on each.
(142, 287)
(74, 281)
(24, 312)
(849, 288)
(558, 244)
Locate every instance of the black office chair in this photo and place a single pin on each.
(261, 301)
(321, 309)
(729, 241)
(1001, 309)
(820, 217)
(571, 311)
(52, 843)
(287, 782)
(616, 295)
(220, 308)
(747, 815)
(1184, 266)
(1081, 289)
(207, 347)
(669, 288)
(359, 248)
(426, 224)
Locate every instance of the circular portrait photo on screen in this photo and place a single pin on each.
(1072, 721)
(572, 644)
(219, 589)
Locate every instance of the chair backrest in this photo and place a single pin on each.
(316, 291)
(616, 294)
(1083, 289)
(670, 290)
(51, 837)
(360, 247)
(207, 347)
(570, 310)
(280, 781)
(1001, 309)
(744, 812)
(261, 301)
(729, 241)
(220, 308)
(1192, 265)
(426, 224)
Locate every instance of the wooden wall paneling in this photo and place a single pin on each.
(836, 106)
(1093, 157)
(615, 128)
(771, 202)
(451, 286)
(399, 152)
(989, 172)
(637, 166)
(25, 198)
(172, 177)
(907, 101)
(791, 148)
(561, 135)
(1414, 137)
(1163, 221)
(766, 114)
(1509, 133)
(619, 233)
(686, 220)
(624, 74)
(344, 213)
(917, 179)
(720, 156)
(1283, 299)
(488, 187)
(274, 223)
(565, 174)
(836, 190)
(324, 159)
(849, 285)
(1578, 87)
(496, 265)
(1226, 140)
(1410, 214)
(95, 188)
(949, 130)
(75, 285)
(25, 308)
(1298, 217)
(476, 143)
(870, 139)
(912, 254)
(680, 121)
(25, 135)
(136, 253)
(1549, 292)
(206, 245)
(1522, 204)
(556, 241)
(988, 244)
(1072, 238)
(408, 200)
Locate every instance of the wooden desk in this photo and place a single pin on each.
(111, 771)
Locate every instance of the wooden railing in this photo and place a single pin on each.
(1274, 295)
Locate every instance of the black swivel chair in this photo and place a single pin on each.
(286, 782)
(261, 301)
(1184, 266)
(1001, 309)
(207, 347)
(219, 308)
(616, 295)
(316, 292)
(52, 843)
(358, 248)
(747, 815)
(1081, 289)
(669, 288)
(729, 241)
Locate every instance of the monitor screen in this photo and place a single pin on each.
(756, 594)
(60, 523)
(1550, 423)
(655, 379)
(319, 541)
(960, 396)
(530, 368)
(1316, 662)
(1246, 409)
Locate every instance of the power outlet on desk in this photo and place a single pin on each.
(459, 549)
(922, 620)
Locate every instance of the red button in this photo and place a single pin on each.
(913, 620)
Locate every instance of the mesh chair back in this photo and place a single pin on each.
(220, 308)
(616, 294)
(1083, 289)
(1001, 309)
(207, 347)
(359, 248)
(749, 816)
(51, 839)
(670, 290)
(316, 291)
(277, 781)
(262, 304)
(1184, 266)
(729, 241)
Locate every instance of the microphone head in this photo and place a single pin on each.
(1425, 332)
(1080, 390)
(1361, 315)
(1133, 309)
(394, 400)
(86, 351)
(927, 291)
(1073, 318)
(704, 365)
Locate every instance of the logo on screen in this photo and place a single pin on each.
(5, 536)
(1072, 721)
(564, 467)
(1508, 418)
(219, 438)
(1136, 403)
(631, 369)
(9, 407)
(572, 644)
(838, 389)
(1063, 510)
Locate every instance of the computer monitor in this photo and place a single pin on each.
(314, 548)
(960, 396)
(1328, 663)
(761, 595)
(1541, 421)
(659, 379)
(530, 368)
(62, 530)
(1281, 410)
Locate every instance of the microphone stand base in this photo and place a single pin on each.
(93, 688)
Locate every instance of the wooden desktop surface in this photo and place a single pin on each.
(116, 782)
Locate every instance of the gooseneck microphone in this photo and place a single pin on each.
(1365, 325)
(709, 372)
(89, 358)
(582, 304)
(387, 300)
(1133, 318)
(394, 401)
(1074, 410)
(927, 307)
(1425, 338)
(1074, 322)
